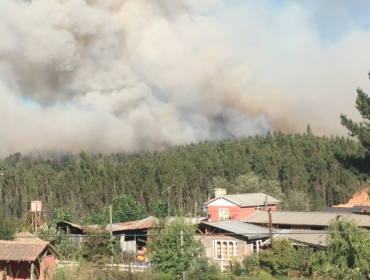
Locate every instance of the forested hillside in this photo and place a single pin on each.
(327, 170)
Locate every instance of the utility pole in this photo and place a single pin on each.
(168, 200)
(182, 250)
(270, 225)
(182, 242)
(110, 228)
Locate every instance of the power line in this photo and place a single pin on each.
(190, 234)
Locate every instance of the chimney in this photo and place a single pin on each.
(219, 192)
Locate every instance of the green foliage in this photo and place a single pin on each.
(95, 248)
(345, 250)
(282, 164)
(278, 260)
(252, 264)
(65, 246)
(61, 215)
(8, 227)
(296, 201)
(303, 261)
(320, 262)
(47, 233)
(161, 209)
(361, 129)
(168, 255)
(125, 209)
(67, 249)
(251, 183)
(203, 268)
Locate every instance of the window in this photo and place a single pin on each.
(225, 250)
(223, 214)
(256, 246)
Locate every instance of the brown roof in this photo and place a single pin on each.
(21, 250)
(26, 236)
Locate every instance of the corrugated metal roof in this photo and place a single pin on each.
(248, 199)
(316, 238)
(338, 209)
(135, 225)
(244, 229)
(354, 209)
(21, 250)
(304, 218)
(189, 220)
(82, 228)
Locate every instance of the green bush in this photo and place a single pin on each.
(203, 269)
(279, 259)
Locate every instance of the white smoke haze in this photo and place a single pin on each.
(113, 76)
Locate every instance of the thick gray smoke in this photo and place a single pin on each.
(112, 75)
(122, 75)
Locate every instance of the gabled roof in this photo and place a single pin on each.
(304, 218)
(240, 228)
(23, 250)
(248, 199)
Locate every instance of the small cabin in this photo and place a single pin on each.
(27, 260)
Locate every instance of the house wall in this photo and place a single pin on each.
(47, 266)
(235, 212)
(244, 248)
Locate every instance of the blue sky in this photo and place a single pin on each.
(332, 18)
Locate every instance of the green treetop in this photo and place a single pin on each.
(361, 129)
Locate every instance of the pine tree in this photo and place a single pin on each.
(361, 129)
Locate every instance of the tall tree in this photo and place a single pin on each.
(361, 129)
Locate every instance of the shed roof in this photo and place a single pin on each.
(354, 209)
(134, 225)
(143, 224)
(23, 250)
(315, 238)
(240, 228)
(248, 199)
(304, 218)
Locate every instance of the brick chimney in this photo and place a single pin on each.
(219, 192)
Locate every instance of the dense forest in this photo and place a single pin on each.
(327, 170)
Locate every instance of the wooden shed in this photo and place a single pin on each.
(22, 260)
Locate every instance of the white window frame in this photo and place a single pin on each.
(256, 244)
(223, 214)
(229, 255)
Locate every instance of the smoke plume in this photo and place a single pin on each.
(122, 75)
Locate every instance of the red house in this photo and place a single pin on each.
(237, 206)
(22, 260)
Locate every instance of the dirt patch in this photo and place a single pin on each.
(360, 198)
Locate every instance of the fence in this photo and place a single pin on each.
(118, 267)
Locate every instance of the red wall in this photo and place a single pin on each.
(47, 268)
(235, 212)
(21, 270)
